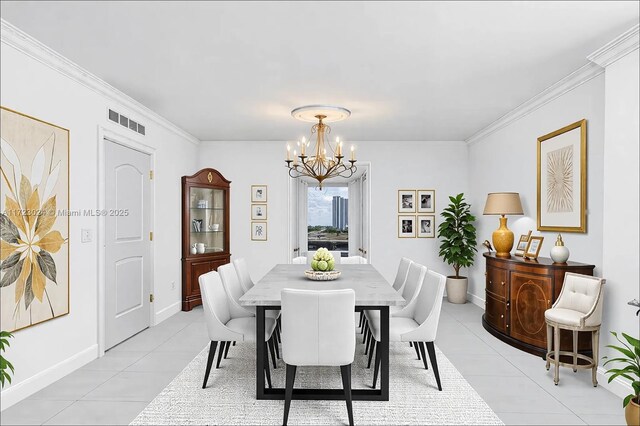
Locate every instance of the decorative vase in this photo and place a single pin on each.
(200, 248)
(457, 289)
(502, 239)
(632, 413)
(559, 253)
(193, 249)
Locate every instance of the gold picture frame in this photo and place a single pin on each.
(562, 179)
(406, 201)
(533, 247)
(259, 212)
(426, 200)
(258, 193)
(35, 188)
(522, 244)
(426, 226)
(406, 226)
(258, 231)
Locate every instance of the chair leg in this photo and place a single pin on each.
(277, 332)
(212, 353)
(266, 366)
(288, 391)
(575, 351)
(275, 345)
(234, 343)
(273, 352)
(377, 366)
(595, 341)
(424, 358)
(434, 362)
(361, 318)
(556, 355)
(410, 344)
(364, 326)
(220, 353)
(367, 340)
(226, 350)
(549, 344)
(415, 346)
(346, 385)
(371, 349)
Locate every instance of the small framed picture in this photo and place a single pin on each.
(406, 201)
(258, 193)
(426, 200)
(258, 212)
(406, 226)
(258, 231)
(533, 247)
(426, 226)
(522, 244)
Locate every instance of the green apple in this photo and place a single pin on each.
(322, 265)
(314, 265)
(331, 264)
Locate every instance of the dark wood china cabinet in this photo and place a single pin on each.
(205, 230)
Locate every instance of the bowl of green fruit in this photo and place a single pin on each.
(322, 266)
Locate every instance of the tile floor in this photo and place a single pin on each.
(115, 388)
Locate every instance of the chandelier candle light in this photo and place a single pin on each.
(326, 160)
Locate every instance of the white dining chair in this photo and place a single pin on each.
(225, 326)
(242, 269)
(337, 256)
(353, 260)
(418, 322)
(233, 288)
(300, 260)
(398, 283)
(410, 291)
(318, 329)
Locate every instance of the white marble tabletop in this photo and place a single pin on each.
(370, 287)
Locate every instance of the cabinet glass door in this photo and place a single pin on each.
(207, 220)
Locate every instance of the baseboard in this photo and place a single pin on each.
(476, 300)
(16, 393)
(618, 386)
(166, 313)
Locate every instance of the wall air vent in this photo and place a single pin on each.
(126, 122)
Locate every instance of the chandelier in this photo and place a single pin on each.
(324, 160)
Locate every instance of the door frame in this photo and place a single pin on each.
(115, 137)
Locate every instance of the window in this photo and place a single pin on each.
(328, 219)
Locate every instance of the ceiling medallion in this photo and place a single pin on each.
(325, 160)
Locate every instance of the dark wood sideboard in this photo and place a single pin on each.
(518, 292)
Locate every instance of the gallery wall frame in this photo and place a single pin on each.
(426, 200)
(562, 179)
(406, 201)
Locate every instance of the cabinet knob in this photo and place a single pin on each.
(502, 283)
(501, 316)
(490, 282)
(507, 325)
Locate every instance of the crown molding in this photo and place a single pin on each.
(617, 48)
(23, 42)
(570, 82)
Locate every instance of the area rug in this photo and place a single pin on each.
(230, 398)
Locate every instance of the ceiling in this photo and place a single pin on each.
(406, 70)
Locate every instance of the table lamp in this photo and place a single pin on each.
(503, 203)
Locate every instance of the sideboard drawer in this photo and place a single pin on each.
(496, 312)
(497, 282)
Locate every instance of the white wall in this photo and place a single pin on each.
(506, 161)
(620, 241)
(45, 352)
(395, 165)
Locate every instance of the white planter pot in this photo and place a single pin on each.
(457, 289)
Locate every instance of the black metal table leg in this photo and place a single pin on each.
(383, 346)
(260, 352)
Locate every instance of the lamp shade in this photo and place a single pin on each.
(503, 203)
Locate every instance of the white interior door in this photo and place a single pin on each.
(127, 242)
(365, 202)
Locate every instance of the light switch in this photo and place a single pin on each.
(87, 236)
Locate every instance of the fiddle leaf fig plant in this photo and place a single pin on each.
(457, 234)
(629, 365)
(5, 365)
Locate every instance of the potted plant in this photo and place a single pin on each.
(457, 245)
(5, 365)
(630, 370)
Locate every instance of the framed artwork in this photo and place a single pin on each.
(426, 226)
(406, 201)
(426, 200)
(522, 244)
(34, 223)
(533, 247)
(562, 179)
(406, 226)
(258, 212)
(258, 193)
(258, 231)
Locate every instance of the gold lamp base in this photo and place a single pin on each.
(503, 239)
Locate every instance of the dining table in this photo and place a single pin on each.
(372, 292)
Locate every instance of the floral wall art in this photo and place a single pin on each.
(34, 221)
